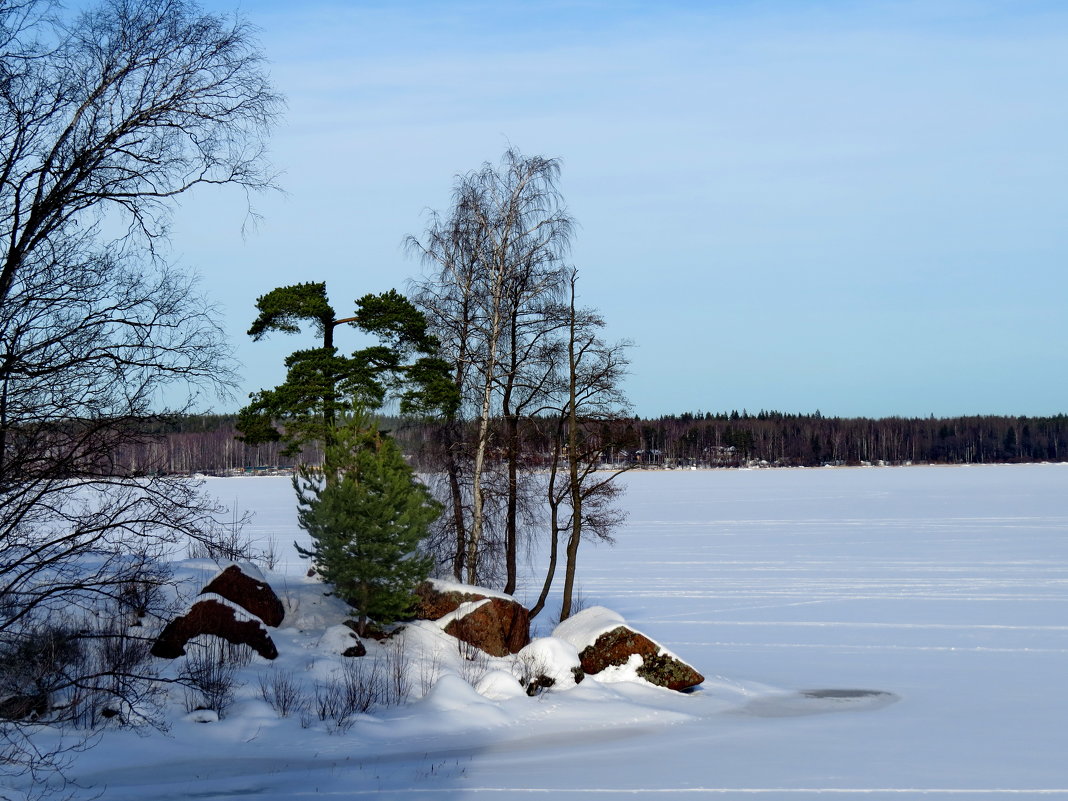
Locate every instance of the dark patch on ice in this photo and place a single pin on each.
(843, 693)
(817, 702)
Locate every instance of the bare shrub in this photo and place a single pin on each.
(283, 691)
(269, 556)
(397, 669)
(531, 670)
(123, 688)
(143, 595)
(237, 653)
(330, 706)
(429, 672)
(35, 665)
(230, 544)
(209, 677)
(474, 662)
(362, 684)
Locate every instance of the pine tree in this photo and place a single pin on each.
(366, 523)
(322, 383)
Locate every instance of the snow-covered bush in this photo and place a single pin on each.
(547, 662)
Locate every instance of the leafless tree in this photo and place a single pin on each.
(497, 265)
(106, 118)
(581, 495)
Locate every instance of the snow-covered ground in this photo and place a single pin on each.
(879, 632)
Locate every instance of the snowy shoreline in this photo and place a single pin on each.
(861, 631)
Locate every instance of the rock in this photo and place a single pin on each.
(218, 618)
(603, 640)
(498, 626)
(203, 716)
(539, 683)
(434, 601)
(251, 594)
(615, 647)
(20, 707)
(355, 650)
(373, 630)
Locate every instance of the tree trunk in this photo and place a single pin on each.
(554, 527)
(574, 486)
(482, 445)
(452, 469)
(511, 423)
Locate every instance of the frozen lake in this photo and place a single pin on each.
(945, 588)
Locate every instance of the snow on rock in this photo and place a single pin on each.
(624, 671)
(454, 586)
(498, 685)
(340, 639)
(548, 662)
(307, 607)
(214, 615)
(250, 569)
(604, 641)
(460, 612)
(436, 598)
(244, 585)
(583, 629)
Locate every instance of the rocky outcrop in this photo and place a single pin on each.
(434, 600)
(234, 606)
(616, 647)
(603, 640)
(249, 593)
(498, 626)
(219, 618)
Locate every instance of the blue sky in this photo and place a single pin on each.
(860, 208)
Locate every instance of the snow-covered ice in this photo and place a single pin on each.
(883, 632)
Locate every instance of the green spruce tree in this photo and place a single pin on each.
(366, 521)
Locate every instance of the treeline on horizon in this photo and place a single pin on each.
(208, 443)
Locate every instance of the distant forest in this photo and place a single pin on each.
(207, 443)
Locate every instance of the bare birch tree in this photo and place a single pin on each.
(497, 259)
(581, 494)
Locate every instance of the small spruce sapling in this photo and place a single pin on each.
(366, 513)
